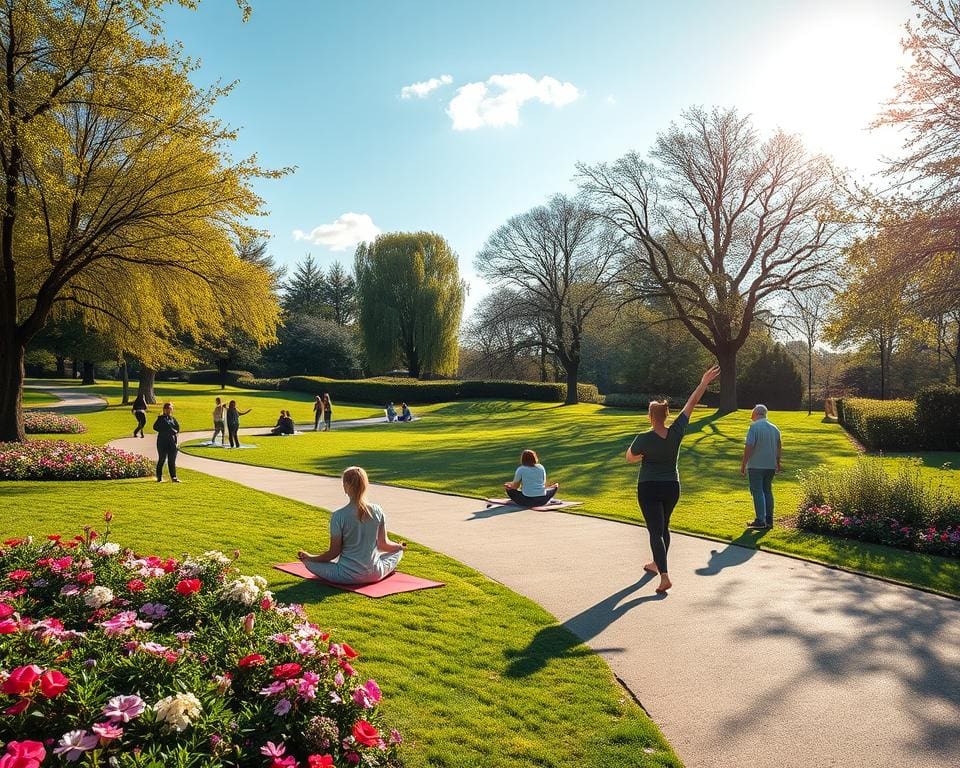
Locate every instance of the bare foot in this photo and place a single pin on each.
(651, 568)
(665, 584)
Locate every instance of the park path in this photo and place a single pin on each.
(754, 659)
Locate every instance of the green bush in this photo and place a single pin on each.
(772, 379)
(883, 425)
(638, 400)
(252, 382)
(213, 377)
(938, 417)
(383, 390)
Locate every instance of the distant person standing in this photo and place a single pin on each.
(219, 422)
(327, 411)
(167, 429)
(317, 412)
(139, 410)
(233, 423)
(391, 412)
(761, 461)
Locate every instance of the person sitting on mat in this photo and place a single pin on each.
(529, 487)
(284, 425)
(358, 537)
(405, 414)
(391, 412)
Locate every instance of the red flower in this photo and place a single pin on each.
(19, 575)
(87, 577)
(23, 754)
(253, 660)
(5, 610)
(188, 586)
(17, 708)
(320, 761)
(348, 651)
(366, 734)
(13, 542)
(169, 565)
(135, 585)
(21, 680)
(286, 671)
(53, 683)
(8, 627)
(54, 537)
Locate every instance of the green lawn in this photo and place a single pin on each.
(472, 447)
(193, 407)
(33, 398)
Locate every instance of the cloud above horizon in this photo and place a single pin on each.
(347, 231)
(497, 101)
(425, 87)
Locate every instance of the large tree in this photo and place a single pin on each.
(720, 222)
(119, 196)
(339, 295)
(410, 299)
(563, 262)
(303, 293)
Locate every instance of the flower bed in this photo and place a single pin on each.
(120, 659)
(49, 423)
(59, 460)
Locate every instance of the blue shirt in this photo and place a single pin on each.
(765, 439)
(533, 480)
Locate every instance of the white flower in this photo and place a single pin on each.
(99, 597)
(178, 711)
(107, 549)
(216, 556)
(245, 589)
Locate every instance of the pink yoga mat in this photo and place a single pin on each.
(394, 583)
(557, 504)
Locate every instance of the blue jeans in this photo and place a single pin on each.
(761, 488)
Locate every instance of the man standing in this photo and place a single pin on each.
(761, 461)
(219, 424)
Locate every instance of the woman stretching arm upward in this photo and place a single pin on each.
(658, 485)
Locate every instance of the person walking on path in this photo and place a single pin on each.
(658, 485)
(167, 429)
(529, 486)
(219, 422)
(139, 411)
(233, 423)
(327, 405)
(317, 412)
(358, 539)
(761, 461)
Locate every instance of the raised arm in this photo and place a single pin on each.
(709, 375)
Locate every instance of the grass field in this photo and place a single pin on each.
(472, 447)
(33, 398)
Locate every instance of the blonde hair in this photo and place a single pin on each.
(355, 483)
(659, 409)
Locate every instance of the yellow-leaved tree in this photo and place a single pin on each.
(119, 193)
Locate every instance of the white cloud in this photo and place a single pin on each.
(611, 99)
(497, 101)
(348, 230)
(424, 88)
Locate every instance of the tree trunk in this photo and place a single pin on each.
(74, 368)
(88, 373)
(571, 372)
(145, 388)
(809, 379)
(883, 372)
(728, 381)
(413, 363)
(11, 389)
(222, 367)
(61, 367)
(125, 376)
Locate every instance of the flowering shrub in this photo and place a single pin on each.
(866, 502)
(110, 657)
(50, 423)
(59, 460)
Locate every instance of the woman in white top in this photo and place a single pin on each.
(359, 543)
(529, 487)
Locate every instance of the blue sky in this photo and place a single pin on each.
(320, 88)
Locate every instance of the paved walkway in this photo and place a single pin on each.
(754, 659)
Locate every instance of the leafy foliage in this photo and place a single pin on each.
(938, 417)
(887, 425)
(771, 378)
(307, 344)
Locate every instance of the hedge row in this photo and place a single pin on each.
(932, 423)
(638, 400)
(938, 417)
(383, 390)
(243, 379)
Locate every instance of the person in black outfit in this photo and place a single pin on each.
(233, 423)
(167, 429)
(139, 410)
(284, 425)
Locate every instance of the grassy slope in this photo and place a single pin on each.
(472, 447)
(32, 398)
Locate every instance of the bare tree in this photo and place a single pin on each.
(719, 222)
(564, 260)
(807, 315)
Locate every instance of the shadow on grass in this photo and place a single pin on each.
(561, 642)
(306, 592)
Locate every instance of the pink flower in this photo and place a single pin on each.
(248, 621)
(23, 754)
(73, 744)
(107, 731)
(53, 683)
(368, 695)
(21, 680)
(273, 750)
(8, 627)
(123, 709)
(283, 706)
(19, 575)
(6, 610)
(320, 761)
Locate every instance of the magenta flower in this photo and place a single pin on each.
(124, 708)
(107, 731)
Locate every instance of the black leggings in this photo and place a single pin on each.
(141, 422)
(529, 501)
(233, 431)
(657, 499)
(166, 452)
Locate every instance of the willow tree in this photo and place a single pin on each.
(410, 298)
(119, 195)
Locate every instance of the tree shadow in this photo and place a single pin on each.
(564, 641)
(306, 591)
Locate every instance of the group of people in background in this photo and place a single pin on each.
(404, 415)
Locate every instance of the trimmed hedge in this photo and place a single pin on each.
(882, 425)
(938, 417)
(636, 400)
(213, 377)
(383, 390)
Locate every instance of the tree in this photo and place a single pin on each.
(339, 294)
(303, 293)
(309, 345)
(410, 299)
(719, 223)
(806, 315)
(505, 337)
(118, 193)
(771, 378)
(562, 260)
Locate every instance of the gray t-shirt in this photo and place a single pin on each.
(765, 439)
(533, 480)
(358, 558)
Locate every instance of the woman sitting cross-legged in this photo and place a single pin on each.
(359, 543)
(529, 487)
